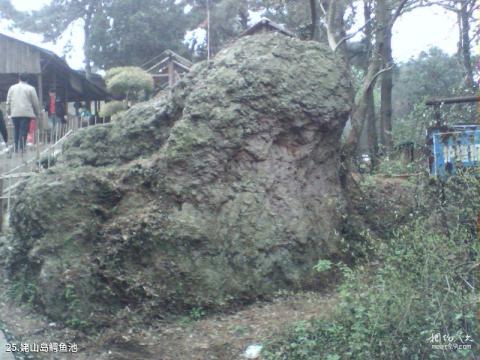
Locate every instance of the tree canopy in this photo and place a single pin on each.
(132, 32)
(117, 33)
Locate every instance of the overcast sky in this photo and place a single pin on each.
(412, 33)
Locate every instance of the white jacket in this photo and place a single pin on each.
(22, 101)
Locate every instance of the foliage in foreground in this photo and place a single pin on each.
(417, 289)
(111, 108)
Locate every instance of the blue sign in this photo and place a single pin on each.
(453, 148)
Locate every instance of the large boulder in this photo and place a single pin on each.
(224, 191)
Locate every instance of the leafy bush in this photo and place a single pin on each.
(323, 265)
(417, 284)
(132, 83)
(390, 167)
(112, 72)
(111, 108)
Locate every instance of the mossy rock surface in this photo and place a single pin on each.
(224, 191)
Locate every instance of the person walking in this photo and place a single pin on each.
(56, 112)
(22, 105)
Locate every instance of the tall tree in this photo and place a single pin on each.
(117, 32)
(372, 138)
(53, 20)
(432, 74)
(384, 37)
(314, 17)
(131, 32)
(465, 11)
(380, 64)
(228, 18)
(388, 12)
(7, 11)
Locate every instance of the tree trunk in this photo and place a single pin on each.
(380, 57)
(360, 109)
(314, 17)
(244, 15)
(365, 97)
(465, 45)
(386, 89)
(87, 45)
(331, 25)
(372, 137)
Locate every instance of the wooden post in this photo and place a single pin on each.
(54, 82)
(65, 102)
(437, 115)
(40, 90)
(455, 100)
(171, 72)
(9, 193)
(37, 144)
(1, 205)
(40, 123)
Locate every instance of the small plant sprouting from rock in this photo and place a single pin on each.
(323, 266)
(196, 313)
(22, 290)
(74, 318)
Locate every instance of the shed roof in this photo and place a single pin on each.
(19, 56)
(158, 62)
(268, 25)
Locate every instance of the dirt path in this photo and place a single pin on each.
(227, 337)
(222, 337)
(213, 337)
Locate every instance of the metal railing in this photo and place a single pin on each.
(43, 147)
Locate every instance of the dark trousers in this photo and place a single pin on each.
(20, 132)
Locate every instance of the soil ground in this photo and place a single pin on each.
(196, 337)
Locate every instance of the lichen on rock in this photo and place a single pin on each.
(224, 191)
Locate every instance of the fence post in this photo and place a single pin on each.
(1, 205)
(37, 145)
(9, 192)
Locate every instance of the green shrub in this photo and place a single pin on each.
(323, 265)
(391, 167)
(130, 82)
(111, 108)
(417, 284)
(112, 72)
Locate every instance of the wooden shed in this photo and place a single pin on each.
(167, 68)
(47, 71)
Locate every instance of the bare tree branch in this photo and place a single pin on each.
(348, 37)
(374, 78)
(398, 11)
